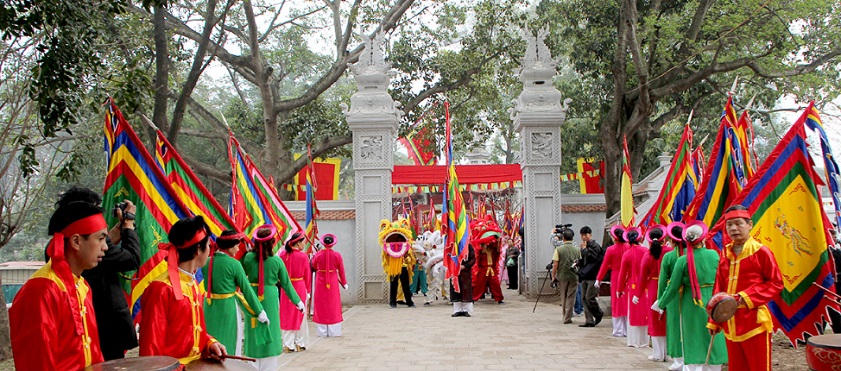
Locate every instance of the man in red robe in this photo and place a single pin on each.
(485, 236)
(749, 272)
(52, 320)
(172, 321)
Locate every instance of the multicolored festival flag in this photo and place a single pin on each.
(455, 227)
(133, 175)
(833, 179)
(421, 146)
(253, 200)
(326, 170)
(788, 217)
(627, 195)
(310, 224)
(679, 188)
(721, 181)
(189, 189)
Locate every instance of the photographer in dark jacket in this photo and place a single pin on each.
(588, 268)
(113, 317)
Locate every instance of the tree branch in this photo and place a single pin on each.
(796, 71)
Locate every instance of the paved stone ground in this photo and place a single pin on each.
(496, 337)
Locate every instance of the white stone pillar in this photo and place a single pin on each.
(373, 117)
(538, 116)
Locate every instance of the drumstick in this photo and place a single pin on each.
(709, 350)
(827, 290)
(239, 358)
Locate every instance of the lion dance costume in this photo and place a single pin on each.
(396, 241)
(485, 237)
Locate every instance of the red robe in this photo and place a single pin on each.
(613, 263)
(42, 325)
(298, 266)
(647, 292)
(487, 272)
(172, 327)
(759, 281)
(329, 275)
(629, 277)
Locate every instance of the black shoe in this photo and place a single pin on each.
(500, 302)
(598, 319)
(401, 302)
(427, 304)
(411, 305)
(587, 325)
(456, 314)
(465, 314)
(392, 306)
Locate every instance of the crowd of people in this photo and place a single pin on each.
(206, 304)
(211, 300)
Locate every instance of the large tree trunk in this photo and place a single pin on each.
(5, 335)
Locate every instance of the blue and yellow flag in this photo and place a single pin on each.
(310, 224)
(133, 175)
(788, 217)
(679, 188)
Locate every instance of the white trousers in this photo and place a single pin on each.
(462, 307)
(328, 330)
(702, 368)
(658, 348)
(620, 325)
(265, 364)
(638, 336)
(299, 338)
(240, 334)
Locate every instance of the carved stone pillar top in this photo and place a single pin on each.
(539, 104)
(372, 107)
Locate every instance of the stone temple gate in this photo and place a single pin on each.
(373, 117)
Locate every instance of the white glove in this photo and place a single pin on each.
(635, 300)
(597, 283)
(656, 306)
(345, 286)
(263, 318)
(308, 296)
(301, 306)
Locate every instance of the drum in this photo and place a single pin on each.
(823, 353)
(150, 363)
(722, 307)
(211, 365)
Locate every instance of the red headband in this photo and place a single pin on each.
(172, 260)
(55, 250)
(232, 237)
(293, 241)
(737, 214)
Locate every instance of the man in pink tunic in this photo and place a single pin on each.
(327, 301)
(629, 277)
(647, 290)
(292, 321)
(613, 263)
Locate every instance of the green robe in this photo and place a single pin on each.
(220, 310)
(694, 317)
(257, 343)
(674, 345)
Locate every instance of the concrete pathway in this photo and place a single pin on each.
(496, 337)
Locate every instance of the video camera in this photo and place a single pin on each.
(120, 205)
(559, 228)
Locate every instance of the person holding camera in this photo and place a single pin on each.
(592, 255)
(565, 279)
(113, 316)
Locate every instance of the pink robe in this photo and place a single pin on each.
(629, 277)
(329, 275)
(647, 292)
(298, 266)
(613, 263)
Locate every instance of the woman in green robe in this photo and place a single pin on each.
(674, 346)
(696, 337)
(227, 285)
(266, 346)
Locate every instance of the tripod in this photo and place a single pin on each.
(548, 272)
